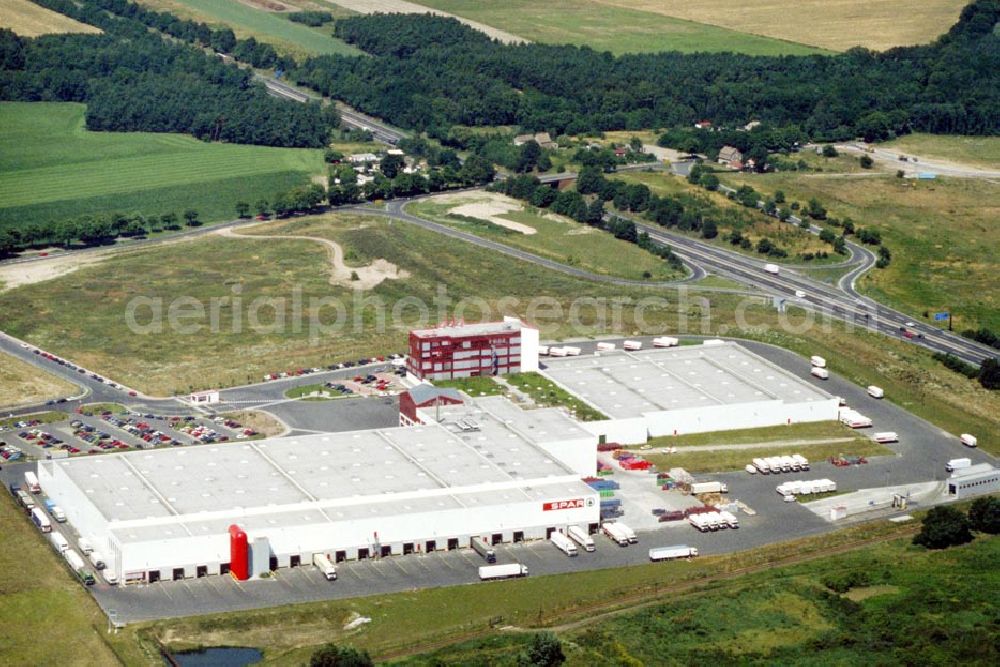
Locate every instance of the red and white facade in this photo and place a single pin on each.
(454, 350)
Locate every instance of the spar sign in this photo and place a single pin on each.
(576, 503)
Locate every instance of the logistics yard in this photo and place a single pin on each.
(919, 456)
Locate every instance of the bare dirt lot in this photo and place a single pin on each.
(23, 384)
(30, 20)
(403, 7)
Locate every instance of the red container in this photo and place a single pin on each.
(239, 554)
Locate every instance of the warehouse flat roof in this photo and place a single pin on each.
(473, 457)
(630, 384)
(476, 329)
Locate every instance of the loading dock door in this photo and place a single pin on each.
(295, 561)
(386, 550)
(518, 536)
(452, 543)
(548, 532)
(202, 571)
(407, 548)
(431, 546)
(224, 568)
(341, 556)
(154, 576)
(178, 573)
(363, 553)
(272, 563)
(497, 538)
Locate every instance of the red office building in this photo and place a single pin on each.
(464, 350)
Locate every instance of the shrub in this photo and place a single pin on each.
(943, 527)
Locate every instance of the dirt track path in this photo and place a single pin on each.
(403, 7)
(356, 277)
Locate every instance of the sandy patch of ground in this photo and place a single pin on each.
(355, 277)
(23, 384)
(15, 275)
(403, 7)
(492, 211)
(270, 5)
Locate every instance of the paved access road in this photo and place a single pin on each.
(919, 456)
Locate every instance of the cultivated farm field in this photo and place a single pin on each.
(30, 20)
(618, 29)
(836, 25)
(51, 168)
(248, 20)
(942, 235)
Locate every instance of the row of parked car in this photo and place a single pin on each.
(365, 361)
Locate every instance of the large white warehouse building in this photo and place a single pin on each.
(485, 468)
(688, 389)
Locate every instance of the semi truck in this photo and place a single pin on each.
(669, 553)
(886, 436)
(709, 487)
(605, 347)
(817, 361)
(771, 268)
(666, 341)
(26, 501)
(480, 546)
(59, 543)
(580, 536)
(563, 544)
(324, 565)
(820, 373)
(97, 559)
(632, 345)
(615, 534)
(76, 563)
(31, 482)
(40, 520)
(957, 464)
(968, 440)
(628, 532)
(85, 545)
(488, 572)
(572, 351)
(875, 391)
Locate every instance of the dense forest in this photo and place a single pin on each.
(135, 80)
(430, 73)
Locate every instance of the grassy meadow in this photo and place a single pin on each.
(48, 617)
(30, 20)
(618, 29)
(942, 235)
(723, 460)
(23, 384)
(557, 238)
(795, 615)
(52, 168)
(836, 26)
(248, 20)
(975, 151)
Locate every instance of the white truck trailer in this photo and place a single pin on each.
(968, 440)
(480, 546)
(729, 518)
(632, 345)
(510, 571)
(875, 391)
(819, 373)
(670, 553)
(709, 487)
(605, 347)
(31, 482)
(801, 461)
(572, 351)
(59, 543)
(761, 466)
(324, 565)
(40, 520)
(615, 533)
(957, 464)
(580, 536)
(97, 559)
(886, 436)
(629, 533)
(772, 269)
(666, 341)
(563, 544)
(817, 361)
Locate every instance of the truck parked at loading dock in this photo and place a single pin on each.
(487, 572)
(580, 536)
(563, 544)
(40, 520)
(957, 464)
(670, 553)
(324, 565)
(486, 551)
(31, 482)
(615, 533)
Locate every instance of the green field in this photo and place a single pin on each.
(615, 29)
(909, 606)
(736, 459)
(975, 151)
(942, 234)
(557, 238)
(800, 431)
(52, 168)
(272, 27)
(48, 617)
(473, 386)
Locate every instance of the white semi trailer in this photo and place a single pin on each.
(669, 553)
(510, 571)
(580, 536)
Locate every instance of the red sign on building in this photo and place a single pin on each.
(576, 503)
